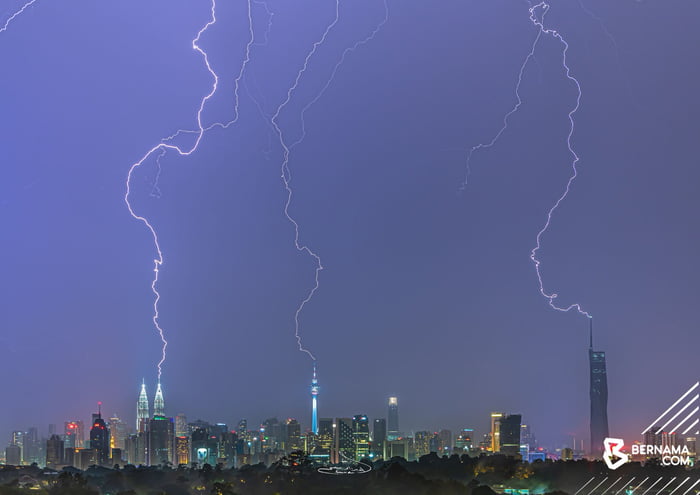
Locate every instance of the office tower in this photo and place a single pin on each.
(271, 432)
(142, 411)
(13, 455)
(527, 438)
(495, 431)
(445, 442)
(509, 433)
(393, 424)
(314, 397)
(343, 443)
(181, 429)
(54, 451)
(242, 427)
(31, 447)
(378, 438)
(99, 438)
(421, 443)
(182, 450)
(161, 435)
(360, 435)
(158, 402)
(117, 433)
(324, 439)
(465, 441)
(52, 429)
(73, 435)
(599, 397)
(199, 445)
(293, 438)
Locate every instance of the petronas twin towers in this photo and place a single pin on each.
(142, 409)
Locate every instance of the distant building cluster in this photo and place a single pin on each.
(160, 440)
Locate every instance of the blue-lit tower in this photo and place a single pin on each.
(314, 396)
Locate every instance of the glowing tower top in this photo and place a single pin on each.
(142, 415)
(159, 403)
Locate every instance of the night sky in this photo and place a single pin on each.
(427, 292)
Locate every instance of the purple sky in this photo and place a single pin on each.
(428, 293)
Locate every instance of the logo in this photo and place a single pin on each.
(613, 449)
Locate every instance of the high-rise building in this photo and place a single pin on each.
(445, 442)
(73, 434)
(13, 455)
(54, 451)
(117, 432)
(181, 429)
(158, 402)
(314, 405)
(293, 440)
(393, 424)
(161, 438)
(343, 443)
(99, 438)
(599, 397)
(421, 443)
(31, 448)
(360, 435)
(495, 431)
(182, 450)
(324, 439)
(509, 433)
(378, 438)
(465, 441)
(142, 411)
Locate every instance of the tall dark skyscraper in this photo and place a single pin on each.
(393, 423)
(379, 437)
(510, 434)
(599, 397)
(99, 438)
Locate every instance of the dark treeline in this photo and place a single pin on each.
(294, 475)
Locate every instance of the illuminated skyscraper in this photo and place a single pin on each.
(599, 397)
(314, 396)
(360, 435)
(496, 431)
(161, 440)
(142, 414)
(393, 423)
(158, 402)
(379, 437)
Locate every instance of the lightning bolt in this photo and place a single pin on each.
(164, 146)
(16, 14)
(286, 179)
(287, 148)
(539, 24)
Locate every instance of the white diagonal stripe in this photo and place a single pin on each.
(614, 483)
(685, 492)
(670, 408)
(598, 485)
(628, 483)
(652, 486)
(682, 483)
(666, 485)
(585, 485)
(678, 413)
(688, 429)
(697, 408)
(639, 485)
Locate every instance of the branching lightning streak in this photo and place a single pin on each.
(346, 52)
(533, 254)
(18, 13)
(286, 179)
(515, 108)
(164, 146)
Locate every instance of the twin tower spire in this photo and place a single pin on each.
(142, 409)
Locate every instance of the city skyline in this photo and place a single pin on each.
(427, 292)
